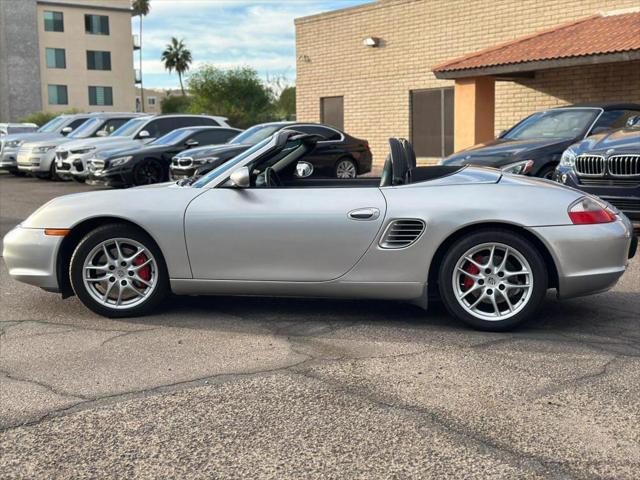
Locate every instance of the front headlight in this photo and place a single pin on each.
(200, 161)
(13, 144)
(43, 149)
(568, 158)
(116, 162)
(81, 151)
(518, 168)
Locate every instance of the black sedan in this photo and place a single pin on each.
(607, 165)
(150, 163)
(534, 145)
(337, 155)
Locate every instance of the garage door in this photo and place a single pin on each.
(432, 122)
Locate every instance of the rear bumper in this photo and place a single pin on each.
(589, 258)
(30, 256)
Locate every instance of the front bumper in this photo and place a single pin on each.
(625, 197)
(180, 173)
(30, 256)
(73, 165)
(9, 160)
(589, 258)
(116, 177)
(36, 162)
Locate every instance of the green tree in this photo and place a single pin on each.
(237, 94)
(175, 104)
(287, 103)
(177, 57)
(40, 118)
(140, 8)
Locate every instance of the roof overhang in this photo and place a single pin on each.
(519, 69)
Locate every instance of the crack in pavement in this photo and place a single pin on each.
(46, 386)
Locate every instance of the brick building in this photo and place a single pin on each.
(370, 68)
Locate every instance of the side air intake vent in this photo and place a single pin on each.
(402, 233)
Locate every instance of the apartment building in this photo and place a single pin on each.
(450, 74)
(65, 54)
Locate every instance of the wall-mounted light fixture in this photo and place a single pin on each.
(372, 42)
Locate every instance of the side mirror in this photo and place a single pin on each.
(241, 178)
(66, 131)
(304, 169)
(191, 143)
(633, 121)
(102, 133)
(143, 134)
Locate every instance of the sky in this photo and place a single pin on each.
(227, 33)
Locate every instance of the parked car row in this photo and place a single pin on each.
(128, 149)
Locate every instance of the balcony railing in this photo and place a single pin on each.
(137, 75)
(136, 42)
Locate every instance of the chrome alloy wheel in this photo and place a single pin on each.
(120, 273)
(492, 281)
(346, 169)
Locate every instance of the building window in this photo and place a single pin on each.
(432, 122)
(332, 111)
(96, 24)
(55, 58)
(58, 95)
(53, 22)
(100, 96)
(98, 60)
(151, 101)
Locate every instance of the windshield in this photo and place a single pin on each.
(232, 162)
(568, 123)
(52, 125)
(253, 135)
(129, 128)
(86, 129)
(172, 138)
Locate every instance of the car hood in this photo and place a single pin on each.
(225, 149)
(31, 137)
(51, 142)
(103, 143)
(131, 149)
(625, 140)
(502, 151)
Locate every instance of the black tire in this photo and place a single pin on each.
(547, 172)
(512, 240)
(339, 167)
(53, 175)
(148, 172)
(78, 179)
(101, 234)
(17, 173)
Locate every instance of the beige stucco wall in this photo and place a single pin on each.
(419, 34)
(76, 43)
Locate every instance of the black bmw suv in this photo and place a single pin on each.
(607, 165)
(337, 155)
(534, 145)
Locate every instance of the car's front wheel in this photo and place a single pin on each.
(493, 279)
(148, 172)
(118, 271)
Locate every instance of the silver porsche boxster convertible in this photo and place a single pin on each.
(489, 245)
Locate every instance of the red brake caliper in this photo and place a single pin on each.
(473, 270)
(145, 272)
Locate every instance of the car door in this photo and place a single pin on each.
(281, 234)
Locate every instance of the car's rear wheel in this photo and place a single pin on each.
(493, 279)
(118, 271)
(148, 172)
(346, 168)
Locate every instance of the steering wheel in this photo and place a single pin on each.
(271, 178)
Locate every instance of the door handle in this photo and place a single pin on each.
(364, 214)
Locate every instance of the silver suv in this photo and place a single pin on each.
(73, 157)
(38, 157)
(59, 127)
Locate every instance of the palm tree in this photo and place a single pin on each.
(177, 57)
(141, 9)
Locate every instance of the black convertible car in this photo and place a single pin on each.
(150, 163)
(607, 165)
(534, 145)
(337, 155)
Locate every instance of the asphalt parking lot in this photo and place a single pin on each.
(275, 388)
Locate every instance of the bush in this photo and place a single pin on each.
(238, 94)
(40, 118)
(175, 104)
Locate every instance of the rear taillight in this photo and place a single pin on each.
(588, 211)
